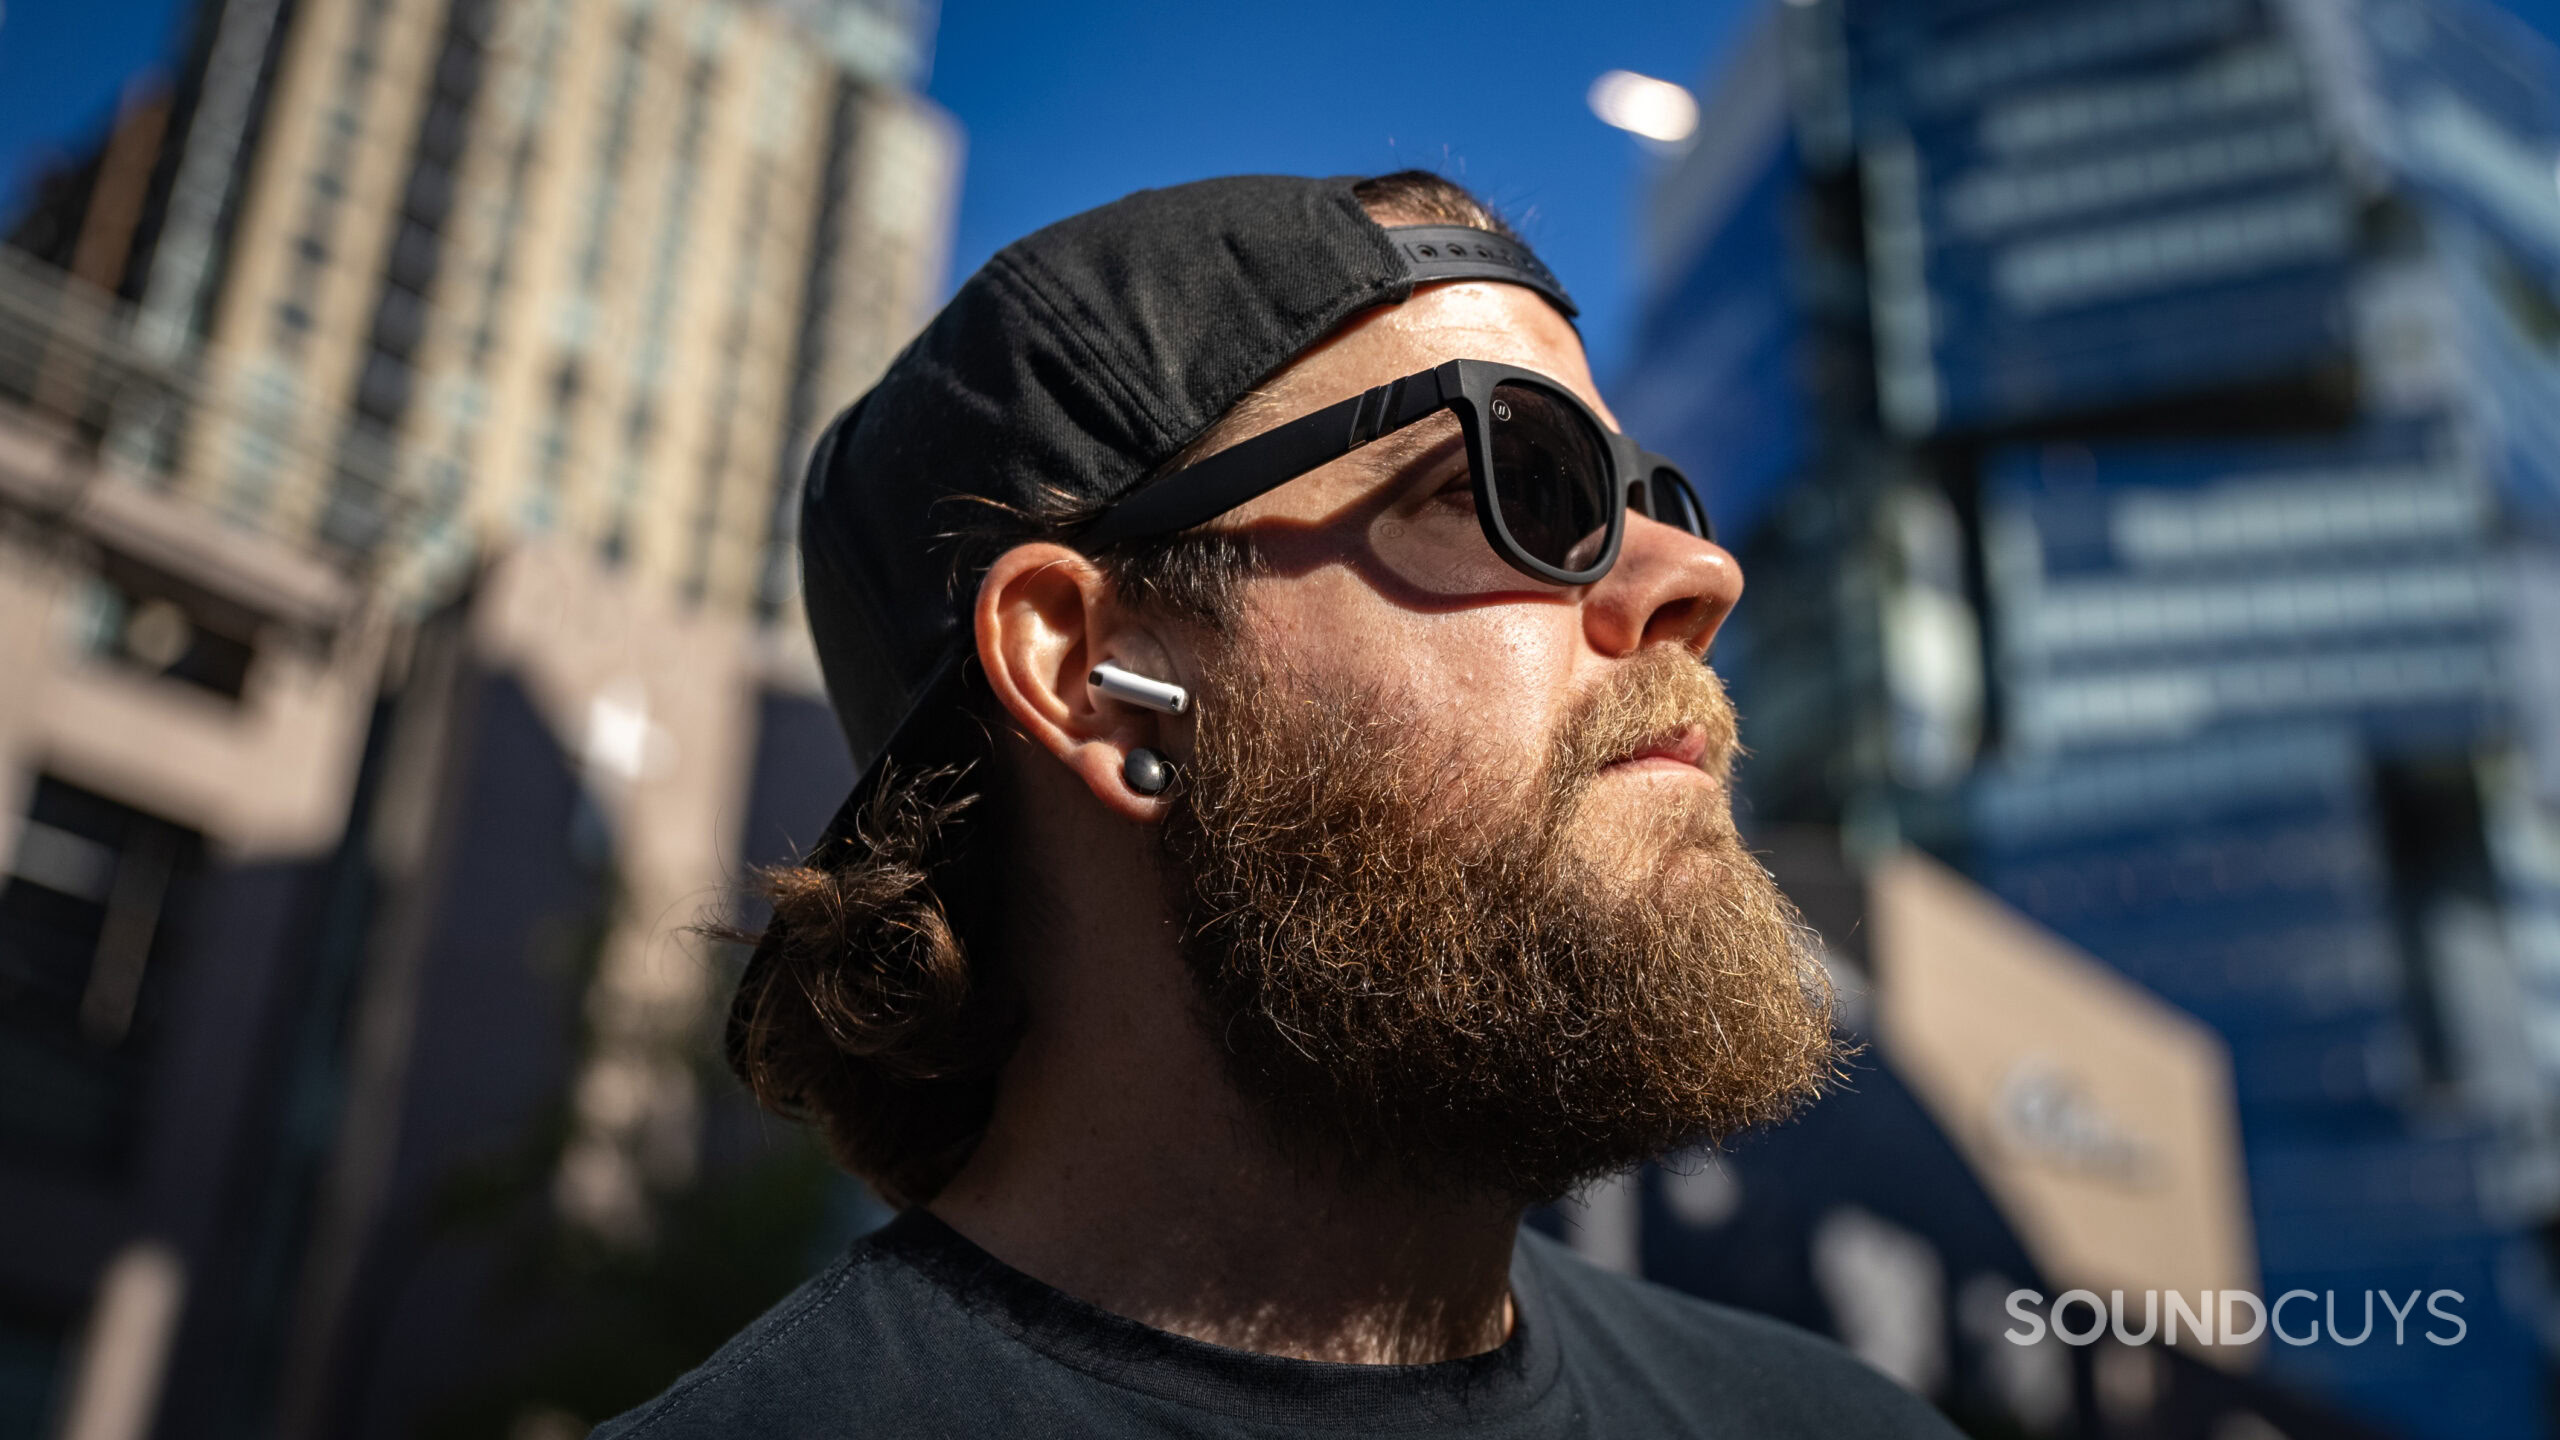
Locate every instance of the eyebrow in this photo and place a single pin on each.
(1389, 457)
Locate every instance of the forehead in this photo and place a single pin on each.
(1465, 320)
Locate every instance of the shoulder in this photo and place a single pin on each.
(1637, 1344)
(785, 1369)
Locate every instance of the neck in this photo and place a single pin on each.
(1179, 1215)
(1123, 1168)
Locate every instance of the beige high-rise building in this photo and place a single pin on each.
(590, 269)
(400, 423)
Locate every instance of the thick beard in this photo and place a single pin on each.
(1421, 979)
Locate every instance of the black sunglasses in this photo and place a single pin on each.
(1552, 484)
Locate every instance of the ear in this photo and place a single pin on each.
(1045, 617)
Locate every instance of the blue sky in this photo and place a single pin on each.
(1069, 105)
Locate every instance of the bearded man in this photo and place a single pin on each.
(1294, 841)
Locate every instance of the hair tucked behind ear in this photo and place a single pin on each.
(882, 1008)
(871, 1012)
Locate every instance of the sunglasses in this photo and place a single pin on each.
(1551, 485)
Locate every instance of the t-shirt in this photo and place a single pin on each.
(919, 1332)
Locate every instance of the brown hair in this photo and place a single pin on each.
(880, 1008)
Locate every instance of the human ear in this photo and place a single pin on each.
(1045, 616)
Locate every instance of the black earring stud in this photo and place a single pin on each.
(1146, 771)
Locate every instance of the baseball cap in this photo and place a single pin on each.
(1072, 365)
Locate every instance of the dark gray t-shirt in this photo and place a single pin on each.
(919, 1332)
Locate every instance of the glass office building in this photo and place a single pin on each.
(2142, 424)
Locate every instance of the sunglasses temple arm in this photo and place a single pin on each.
(1229, 478)
(1269, 460)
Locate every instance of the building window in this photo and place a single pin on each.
(137, 618)
(383, 392)
(430, 196)
(85, 916)
(400, 321)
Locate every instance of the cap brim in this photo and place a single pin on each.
(937, 732)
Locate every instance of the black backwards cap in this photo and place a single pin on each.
(1074, 363)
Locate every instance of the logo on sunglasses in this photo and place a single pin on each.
(1501, 409)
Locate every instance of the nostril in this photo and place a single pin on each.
(1668, 585)
(1682, 621)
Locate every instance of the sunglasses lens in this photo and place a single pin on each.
(1550, 476)
(1675, 504)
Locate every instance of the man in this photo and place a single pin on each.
(1294, 840)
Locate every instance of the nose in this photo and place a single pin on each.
(1668, 585)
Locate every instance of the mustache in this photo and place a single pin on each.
(1659, 693)
(1367, 758)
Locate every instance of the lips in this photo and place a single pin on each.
(1684, 746)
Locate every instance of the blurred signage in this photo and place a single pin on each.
(2101, 1119)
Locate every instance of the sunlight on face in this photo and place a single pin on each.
(1379, 584)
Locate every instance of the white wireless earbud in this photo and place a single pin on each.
(1138, 690)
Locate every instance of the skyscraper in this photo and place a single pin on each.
(551, 267)
(2139, 421)
(399, 425)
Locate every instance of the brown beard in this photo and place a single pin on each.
(1419, 978)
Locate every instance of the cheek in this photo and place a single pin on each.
(1492, 679)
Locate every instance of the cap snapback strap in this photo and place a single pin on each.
(1458, 252)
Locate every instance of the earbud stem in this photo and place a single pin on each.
(1138, 690)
